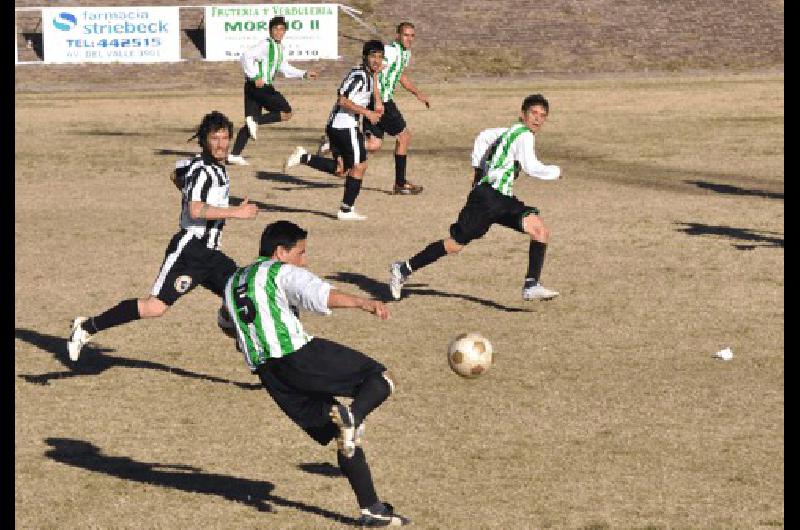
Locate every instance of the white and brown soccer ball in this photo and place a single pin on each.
(470, 354)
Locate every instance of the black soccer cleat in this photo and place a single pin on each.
(381, 514)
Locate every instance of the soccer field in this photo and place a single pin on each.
(604, 408)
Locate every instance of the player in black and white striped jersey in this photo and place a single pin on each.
(192, 257)
(342, 129)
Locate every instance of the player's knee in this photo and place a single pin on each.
(286, 116)
(452, 247)
(152, 308)
(373, 143)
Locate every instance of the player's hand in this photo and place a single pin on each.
(373, 117)
(424, 100)
(377, 308)
(379, 109)
(311, 74)
(259, 83)
(247, 210)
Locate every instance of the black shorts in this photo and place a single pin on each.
(265, 97)
(485, 207)
(392, 122)
(304, 383)
(347, 143)
(188, 262)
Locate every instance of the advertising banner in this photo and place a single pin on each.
(311, 32)
(111, 34)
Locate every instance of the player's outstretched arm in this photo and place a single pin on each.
(408, 85)
(201, 210)
(337, 298)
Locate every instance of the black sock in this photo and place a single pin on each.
(241, 140)
(319, 163)
(352, 186)
(477, 176)
(372, 392)
(270, 117)
(536, 260)
(122, 313)
(357, 472)
(399, 170)
(428, 255)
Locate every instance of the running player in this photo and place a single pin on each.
(305, 374)
(346, 140)
(492, 202)
(192, 257)
(261, 63)
(396, 59)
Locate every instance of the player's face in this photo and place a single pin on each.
(278, 32)
(294, 256)
(406, 36)
(218, 143)
(534, 118)
(375, 61)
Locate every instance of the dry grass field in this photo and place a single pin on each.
(604, 408)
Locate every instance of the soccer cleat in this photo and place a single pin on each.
(538, 292)
(238, 160)
(324, 145)
(346, 440)
(294, 158)
(77, 339)
(407, 189)
(397, 279)
(381, 514)
(252, 127)
(351, 215)
(225, 323)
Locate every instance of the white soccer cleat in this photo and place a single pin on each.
(294, 158)
(397, 279)
(538, 292)
(352, 215)
(77, 338)
(252, 127)
(238, 160)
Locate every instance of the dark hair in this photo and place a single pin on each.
(535, 99)
(212, 122)
(402, 25)
(276, 21)
(280, 234)
(371, 46)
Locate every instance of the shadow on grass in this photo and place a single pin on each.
(301, 183)
(264, 207)
(255, 493)
(380, 291)
(735, 190)
(325, 469)
(94, 361)
(764, 238)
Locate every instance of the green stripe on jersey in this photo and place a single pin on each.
(251, 294)
(244, 329)
(281, 331)
(389, 76)
(501, 161)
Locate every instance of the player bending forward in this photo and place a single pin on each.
(492, 201)
(304, 374)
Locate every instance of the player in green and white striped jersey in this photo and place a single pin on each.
(261, 64)
(304, 374)
(396, 59)
(492, 200)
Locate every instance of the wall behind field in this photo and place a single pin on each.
(474, 37)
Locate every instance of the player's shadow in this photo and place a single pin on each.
(94, 361)
(325, 469)
(174, 152)
(761, 238)
(265, 207)
(735, 190)
(303, 184)
(255, 493)
(100, 132)
(380, 291)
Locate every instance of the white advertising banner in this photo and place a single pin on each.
(111, 34)
(312, 30)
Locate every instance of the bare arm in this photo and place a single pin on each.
(199, 210)
(408, 85)
(346, 104)
(337, 298)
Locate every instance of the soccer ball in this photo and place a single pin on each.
(470, 354)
